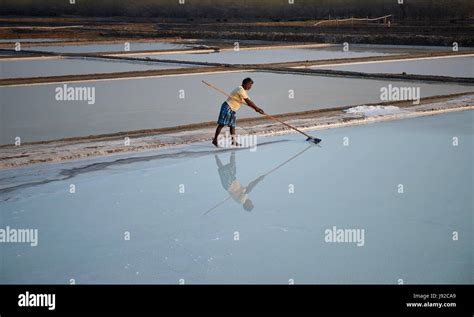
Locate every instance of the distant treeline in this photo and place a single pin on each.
(234, 10)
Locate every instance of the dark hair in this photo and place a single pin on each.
(247, 80)
(248, 205)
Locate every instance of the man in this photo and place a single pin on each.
(231, 184)
(227, 115)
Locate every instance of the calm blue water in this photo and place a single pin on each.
(454, 67)
(89, 48)
(407, 236)
(73, 66)
(29, 40)
(275, 55)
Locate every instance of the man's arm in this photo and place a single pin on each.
(253, 183)
(253, 105)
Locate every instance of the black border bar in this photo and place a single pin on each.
(242, 298)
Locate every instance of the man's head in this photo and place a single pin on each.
(247, 83)
(248, 205)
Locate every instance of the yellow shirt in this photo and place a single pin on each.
(237, 192)
(238, 95)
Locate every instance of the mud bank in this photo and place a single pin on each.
(135, 141)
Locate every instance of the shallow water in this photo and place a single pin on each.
(454, 67)
(274, 55)
(30, 40)
(407, 236)
(74, 66)
(409, 48)
(89, 48)
(33, 113)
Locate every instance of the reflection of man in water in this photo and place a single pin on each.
(230, 183)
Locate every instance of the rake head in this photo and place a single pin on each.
(313, 140)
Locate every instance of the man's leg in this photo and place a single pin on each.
(218, 162)
(233, 138)
(218, 131)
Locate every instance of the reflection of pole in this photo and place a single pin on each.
(217, 205)
(288, 160)
(263, 175)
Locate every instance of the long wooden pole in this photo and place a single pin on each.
(265, 114)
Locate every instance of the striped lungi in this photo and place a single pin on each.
(226, 116)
